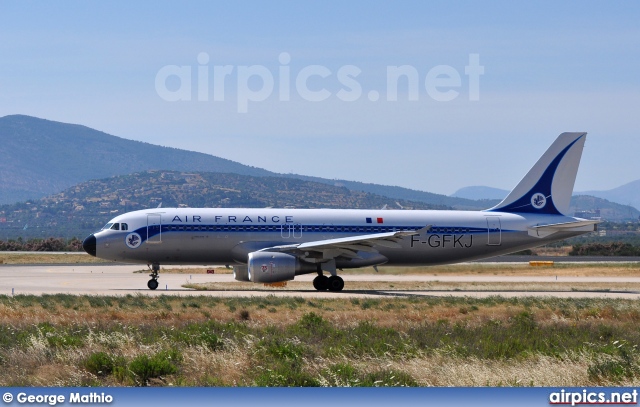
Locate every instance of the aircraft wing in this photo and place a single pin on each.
(325, 250)
(577, 226)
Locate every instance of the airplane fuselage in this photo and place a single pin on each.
(226, 236)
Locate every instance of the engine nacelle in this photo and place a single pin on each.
(272, 267)
(241, 273)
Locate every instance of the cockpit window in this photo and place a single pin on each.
(124, 226)
(116, 226)
(107, 226)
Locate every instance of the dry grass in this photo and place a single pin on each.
(228, 367)
(279, 312)
(445, 370)
(118, 325)
(48, 258)
(38, 365)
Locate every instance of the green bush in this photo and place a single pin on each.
(197, 334)
(100, 364)
(146, 367)
(60, 338)
(282, 349)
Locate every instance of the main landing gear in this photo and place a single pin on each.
(153, 283)
(333, 283)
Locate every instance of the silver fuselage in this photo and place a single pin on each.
(226, 236)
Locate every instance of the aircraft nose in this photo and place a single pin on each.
(89, 245)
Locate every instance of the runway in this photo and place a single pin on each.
(99, 279)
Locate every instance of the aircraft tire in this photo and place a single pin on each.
(321, 283)
(335, 283)
(152, 284)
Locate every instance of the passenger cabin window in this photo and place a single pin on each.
(116, 226)
(125, 226)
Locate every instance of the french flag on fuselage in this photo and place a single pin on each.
(378, 220)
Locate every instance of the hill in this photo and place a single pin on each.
(398, 192)
(84, 208)
(626, 194)
(40, 157)
(608, 210)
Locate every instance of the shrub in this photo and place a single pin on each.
(146, 367)
(102, 364)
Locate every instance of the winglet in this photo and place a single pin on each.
(548, 186)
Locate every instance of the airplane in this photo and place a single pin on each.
(275, 245)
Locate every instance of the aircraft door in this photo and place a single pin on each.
(291, 230)
(285, 231)
(494, 231)
(154, 228)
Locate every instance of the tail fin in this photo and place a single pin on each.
(548, 186)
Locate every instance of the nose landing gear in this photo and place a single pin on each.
(153, 283)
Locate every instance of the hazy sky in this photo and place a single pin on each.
(308, 87)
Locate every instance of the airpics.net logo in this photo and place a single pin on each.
(205, 82)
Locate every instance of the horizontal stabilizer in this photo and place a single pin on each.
(578, 226)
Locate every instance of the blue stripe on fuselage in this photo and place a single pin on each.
(296, 230)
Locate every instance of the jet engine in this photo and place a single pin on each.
(271, 267)
(241, 273)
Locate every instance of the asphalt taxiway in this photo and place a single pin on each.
(112, 279)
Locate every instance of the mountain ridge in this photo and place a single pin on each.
(628, 194)
(40, 157)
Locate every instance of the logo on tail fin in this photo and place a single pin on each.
(538, 200)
